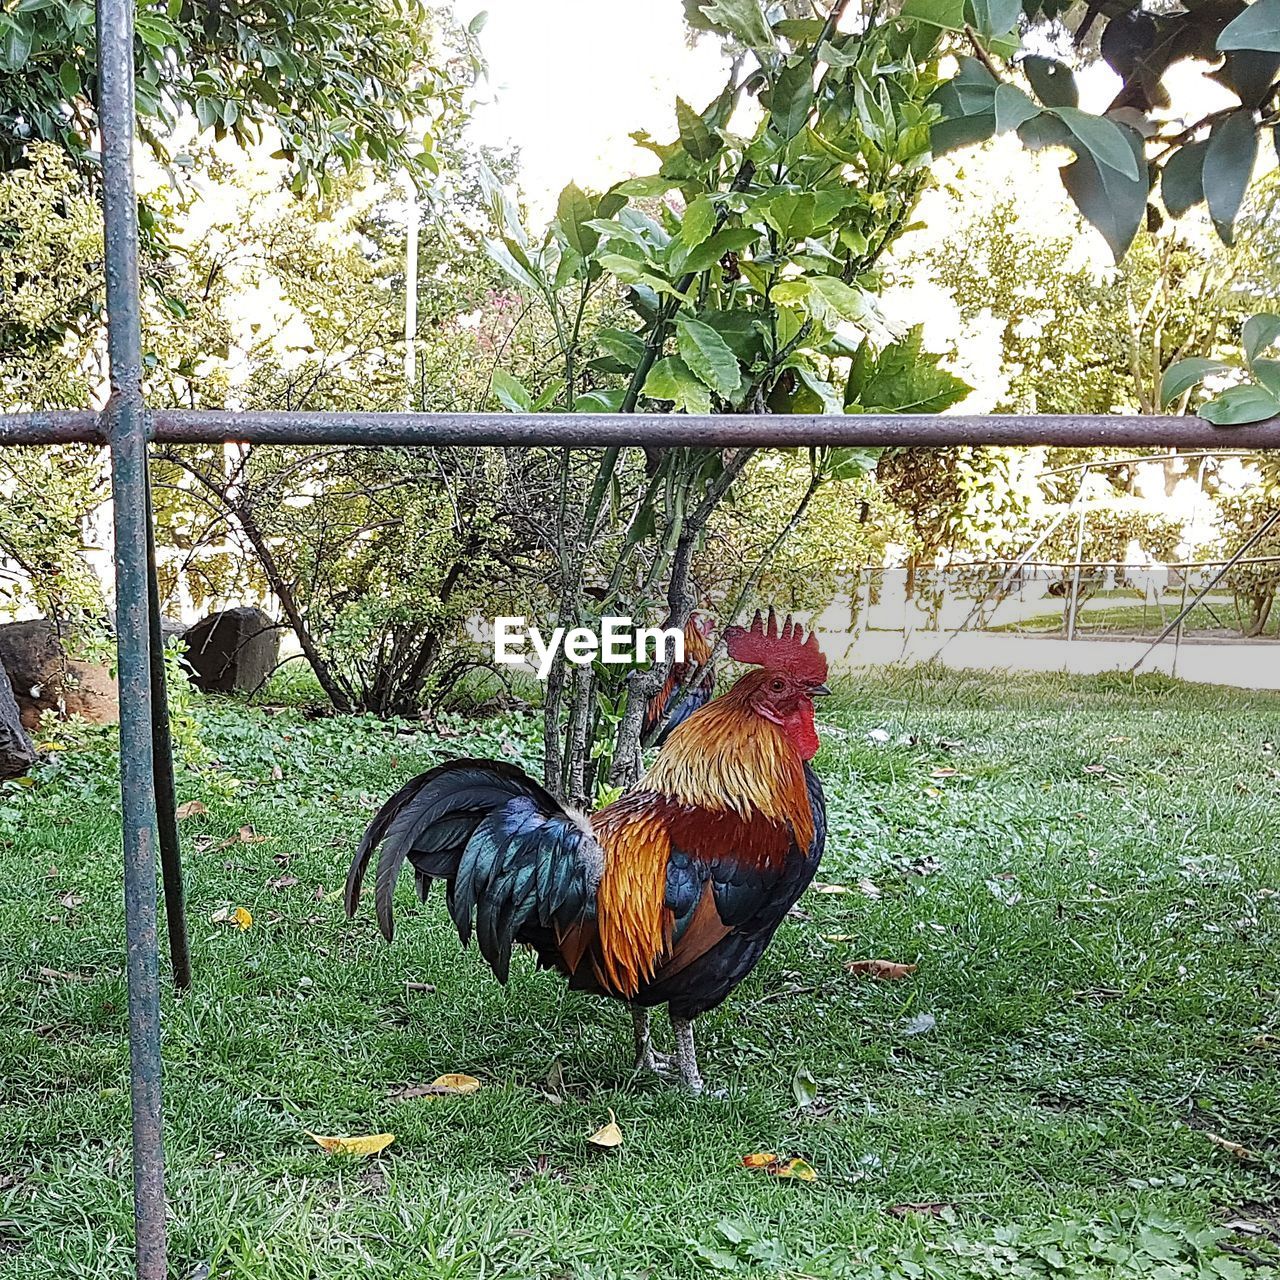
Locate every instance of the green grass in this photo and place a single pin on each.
(1222, 618)
(1090, 899)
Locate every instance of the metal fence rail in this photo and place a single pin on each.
(126, 426)
(1068, 431)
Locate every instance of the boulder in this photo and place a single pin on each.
(17, 755)
(45, 678)
(233, 651)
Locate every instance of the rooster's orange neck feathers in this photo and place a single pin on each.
(728, 784)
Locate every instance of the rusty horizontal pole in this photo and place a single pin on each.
(52, 427)
(583, 430)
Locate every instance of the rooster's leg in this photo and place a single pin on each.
(647, 1057)
(686, 1056)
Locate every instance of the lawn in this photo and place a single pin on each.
(1085, 872)
(1222, 619)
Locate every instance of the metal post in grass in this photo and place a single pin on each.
(124, 420)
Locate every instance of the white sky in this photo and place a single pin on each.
(570, 79)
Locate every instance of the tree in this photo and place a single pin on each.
(336, 84)
(754, 292)
(1139, 144)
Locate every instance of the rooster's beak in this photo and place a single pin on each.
(819, 691)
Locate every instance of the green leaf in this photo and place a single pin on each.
(698, 221)
(993, 17)
(1053, 82)
(697, 139)
(828, 397)
(708, 355)
(654, 185)
(548, 394)
(69, 80)
(1228, 167)
(1109, 200)
(503, 256)
(1258, 27)
(1185, 374)
(477, 24)
(1239, 405)
(726, 240)
(849, 463)
(828, 299)
(742, 18)
(1267, 373)
(1013, 108)
(902, 379)
(789, 213)
(962, 131)
(671, 379)
(208, 112)
(1182, 178)
(1259, 333)
(15, 44)
(600, 401)
(850, 301)
(511, 393)
(804, 1088)
(947, 14)
(792, 97)
(1105, 140)
(626, 347)
(573, 212)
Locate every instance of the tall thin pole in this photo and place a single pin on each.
(175, 901)
(410, 294)
(126, 431)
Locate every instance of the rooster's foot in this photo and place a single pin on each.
(686, 1055)
(647, 1057)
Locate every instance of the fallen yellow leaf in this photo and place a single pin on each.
(455, 1082)
(241, 917)
(190, 809)
(607, 1136)
(886, 969)
(794, 1167)
(366, 1145)
(249, 836)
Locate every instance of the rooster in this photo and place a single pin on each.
(670, 894)
(660, 716)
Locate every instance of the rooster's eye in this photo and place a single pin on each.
(778, 686)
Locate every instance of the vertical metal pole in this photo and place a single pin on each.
(175, 903)
(410, 294)
(1074, 603)
(126, 429)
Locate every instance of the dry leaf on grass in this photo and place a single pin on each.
(885, 969)
(366, 1145)
(441, 1087)
(282, 882)
(943, 773)
(72, 900)
(778, 1167)
(926, 1208)
(241, 917)
(819, 886)
(1232, 1148)
(190, 809)
(249, 836)
(607, 1136)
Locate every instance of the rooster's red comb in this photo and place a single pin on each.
(786, 650)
